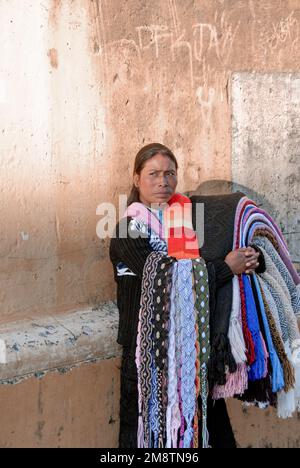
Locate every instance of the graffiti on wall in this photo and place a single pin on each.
(170, 41)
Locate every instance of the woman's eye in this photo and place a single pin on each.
(167, 174)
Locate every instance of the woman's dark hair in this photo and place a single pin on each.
(146, 153)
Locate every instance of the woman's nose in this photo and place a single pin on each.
(163, 181)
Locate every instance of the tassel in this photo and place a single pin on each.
(259, 391)
(140, 434)
(221, 357)
(296, 366)
(204, 397)
(237, 384)
(296, 369)
(257, 370)
(237, 341)
(287, 401)
(286, 404)
(297, 388)
(174, 437)
(160, 442)
(205, 438)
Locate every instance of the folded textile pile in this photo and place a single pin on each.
(263, 332)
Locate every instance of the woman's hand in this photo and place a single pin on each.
(242, 260)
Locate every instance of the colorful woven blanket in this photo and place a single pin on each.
(264, 333)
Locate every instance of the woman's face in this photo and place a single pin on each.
(157, 181)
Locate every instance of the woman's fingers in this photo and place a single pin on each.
(250, 251)
(243, 260)
(252, 260)
(252, 263)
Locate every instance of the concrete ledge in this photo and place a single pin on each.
(58, 343)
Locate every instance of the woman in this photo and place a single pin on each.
(154, 183)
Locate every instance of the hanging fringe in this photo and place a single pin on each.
(237, 384)
(205, 438)
(286, 404)
(204, 397)
(297, 388)
(286, 400)
(258, 368)
(174, 437)
(221, 359)
(296, 366)
(237, 341)
(259, 391)
(140, 434)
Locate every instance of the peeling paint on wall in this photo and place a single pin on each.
(57, 344)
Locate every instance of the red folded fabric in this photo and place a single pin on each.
(179, 231)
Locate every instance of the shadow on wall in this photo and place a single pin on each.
(223, 187)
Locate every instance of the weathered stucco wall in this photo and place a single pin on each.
(83, 85)
(78, 409)
(266, 147)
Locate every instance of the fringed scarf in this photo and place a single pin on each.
(173, 341)
(278, 286)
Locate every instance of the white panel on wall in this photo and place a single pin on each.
(266, 146)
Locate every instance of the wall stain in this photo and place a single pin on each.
(40, 403)
(39, 431)
(54, 11)
(53, 56)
